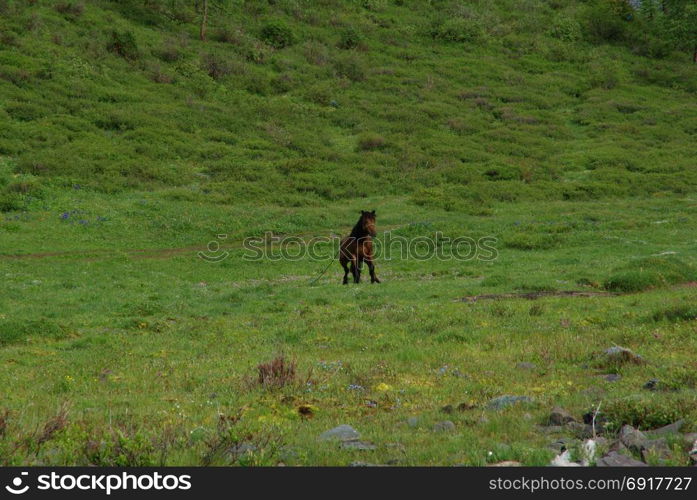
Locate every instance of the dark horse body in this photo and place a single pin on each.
(357, 248)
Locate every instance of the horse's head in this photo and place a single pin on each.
(368, 222)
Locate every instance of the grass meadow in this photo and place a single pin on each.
(559, 130)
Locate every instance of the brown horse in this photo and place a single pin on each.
(358, 247)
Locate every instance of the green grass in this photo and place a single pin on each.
(128, 145)
(154, 345)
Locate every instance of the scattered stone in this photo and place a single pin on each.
(241, 449)
(356, 444)
(287, 454)
(341, 433)
(652, 385)
(622, 355)
(560, 416)
(614, 459)
(413, 422)
(581, 431)
(673, 428)
(550, 429)
(505, 401)
(611, 377)
(447, 409)
(524, 365)
(599, 423)
(618, 447)
(506, 463)
(689, 438)
(444, 426)
(633, 439)
(656, 447)
(561, 445)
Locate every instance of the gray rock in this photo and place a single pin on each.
(444, 426)
(619, 447)
(413, 422)
(241, 449)
(341, 433)
(465, 407)
(562, 445)
(656, 448)
(581, 431)
(633, 439)
(357, 445)
(505, 401)
(652, 385)
(689, 438)
(622, 355)
(673, 428)
(524, 365)
(288, 453)
(614, 459)
(559, 416)
(550, 429)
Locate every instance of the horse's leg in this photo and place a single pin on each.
(371, 268)
(359, 268)
(354, 270)
(344, 264)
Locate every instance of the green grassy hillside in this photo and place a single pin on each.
(563, 131)
(299, 103)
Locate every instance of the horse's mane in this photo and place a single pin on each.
(358, 231)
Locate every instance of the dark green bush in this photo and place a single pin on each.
(566, 29)
(277, 34)
(457, 30)
(123, 43)
(350, 38)
(216, 66)
(351, 67)
(603, 23)
(71, 10)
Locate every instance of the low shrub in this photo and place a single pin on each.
(123, 43)
(277, 34)
(651, 272)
